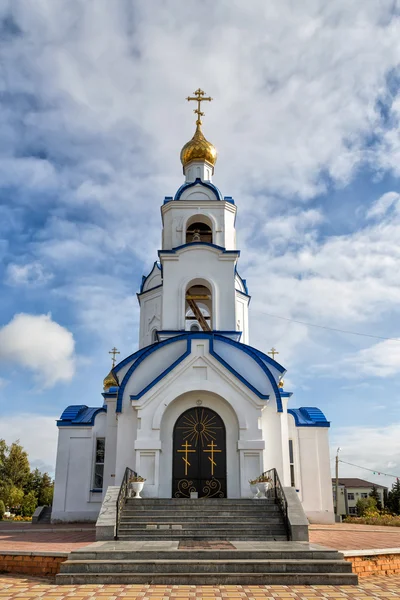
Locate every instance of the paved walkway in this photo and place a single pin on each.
(64, 538)
(344, 536)
(24, 588)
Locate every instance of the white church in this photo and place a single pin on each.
(196, 408)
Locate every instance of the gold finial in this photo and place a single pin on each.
(199, 97)
(272, 352)
(114, 352)
(281, 384)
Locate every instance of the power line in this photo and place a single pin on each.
(375, 472)
(377, 337)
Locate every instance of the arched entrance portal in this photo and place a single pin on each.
(199, 455)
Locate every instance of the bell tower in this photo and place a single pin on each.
(195, 285)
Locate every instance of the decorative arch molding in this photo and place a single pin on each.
(209, 186)
(186, 387)
(207, 218)
(138, 357)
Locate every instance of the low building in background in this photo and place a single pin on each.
(352, 489)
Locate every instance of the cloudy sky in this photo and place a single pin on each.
(306, 121)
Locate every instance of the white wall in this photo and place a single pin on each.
(203, 263)
(73, 500)
(313, 475)
(176, 214)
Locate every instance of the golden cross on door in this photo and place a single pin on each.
(186, 450)
(199, 97)
(272, 352)
(211, 458)
(114, 352)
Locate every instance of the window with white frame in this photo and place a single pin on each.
(291, 462)
(98, 474)
(352, 510)
(350, 496)
(364, 495)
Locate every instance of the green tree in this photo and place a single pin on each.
(34, 482)
(46, 495)
(394, 498)
(29, 503)
(375, 494)
(15, 497)
(2, 510)
(365, 504)
(17, 468)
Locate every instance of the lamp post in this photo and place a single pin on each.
(337, 484)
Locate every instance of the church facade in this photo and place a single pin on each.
(195, 408)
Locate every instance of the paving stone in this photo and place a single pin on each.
(374, 588)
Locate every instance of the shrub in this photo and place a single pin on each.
(29, 504)
(2, 510)
(366, 505)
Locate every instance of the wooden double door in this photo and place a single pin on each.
(199, 455)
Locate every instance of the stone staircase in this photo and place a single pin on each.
(201, 519)
(280, 563)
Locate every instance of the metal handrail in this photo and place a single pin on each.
(122, 496)
(276, 492)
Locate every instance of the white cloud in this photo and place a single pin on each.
(379, 360)
(30, 274)
(36, 433)
(40, 344)
(382, 205)
(375, 448)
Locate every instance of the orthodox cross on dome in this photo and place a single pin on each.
(272, 352)
(199, 97)
(114, 352)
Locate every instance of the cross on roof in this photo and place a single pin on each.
(114, 352)
(272, 352)
(199, 97)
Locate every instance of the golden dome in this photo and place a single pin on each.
(198, 149)
(110, 381)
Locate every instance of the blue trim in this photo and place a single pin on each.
(243, 281)
(140, 294)
(96, 491)
(285, 394)
(256, 355)
(147, 351)
(229, 199)
(145, 277)
(310, 416)
(198, 181)
(110, 394)
(221, 248)
(168, 199)
(79, 416)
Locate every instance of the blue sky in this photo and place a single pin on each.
(306, 121)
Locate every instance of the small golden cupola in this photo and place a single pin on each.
(198, 148)
(110, 381)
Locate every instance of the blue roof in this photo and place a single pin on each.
(79, 414)
(309, 416)
(198, 181)
(262, 359)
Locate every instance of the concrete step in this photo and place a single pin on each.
(197, 521)
(210, 555)
(199, 501)
(233, 514)
(208, 578)
(247, 525)
(205, 566)
(182, 535)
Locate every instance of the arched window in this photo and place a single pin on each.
(198, 308)
(154, 338)
(199, 229)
